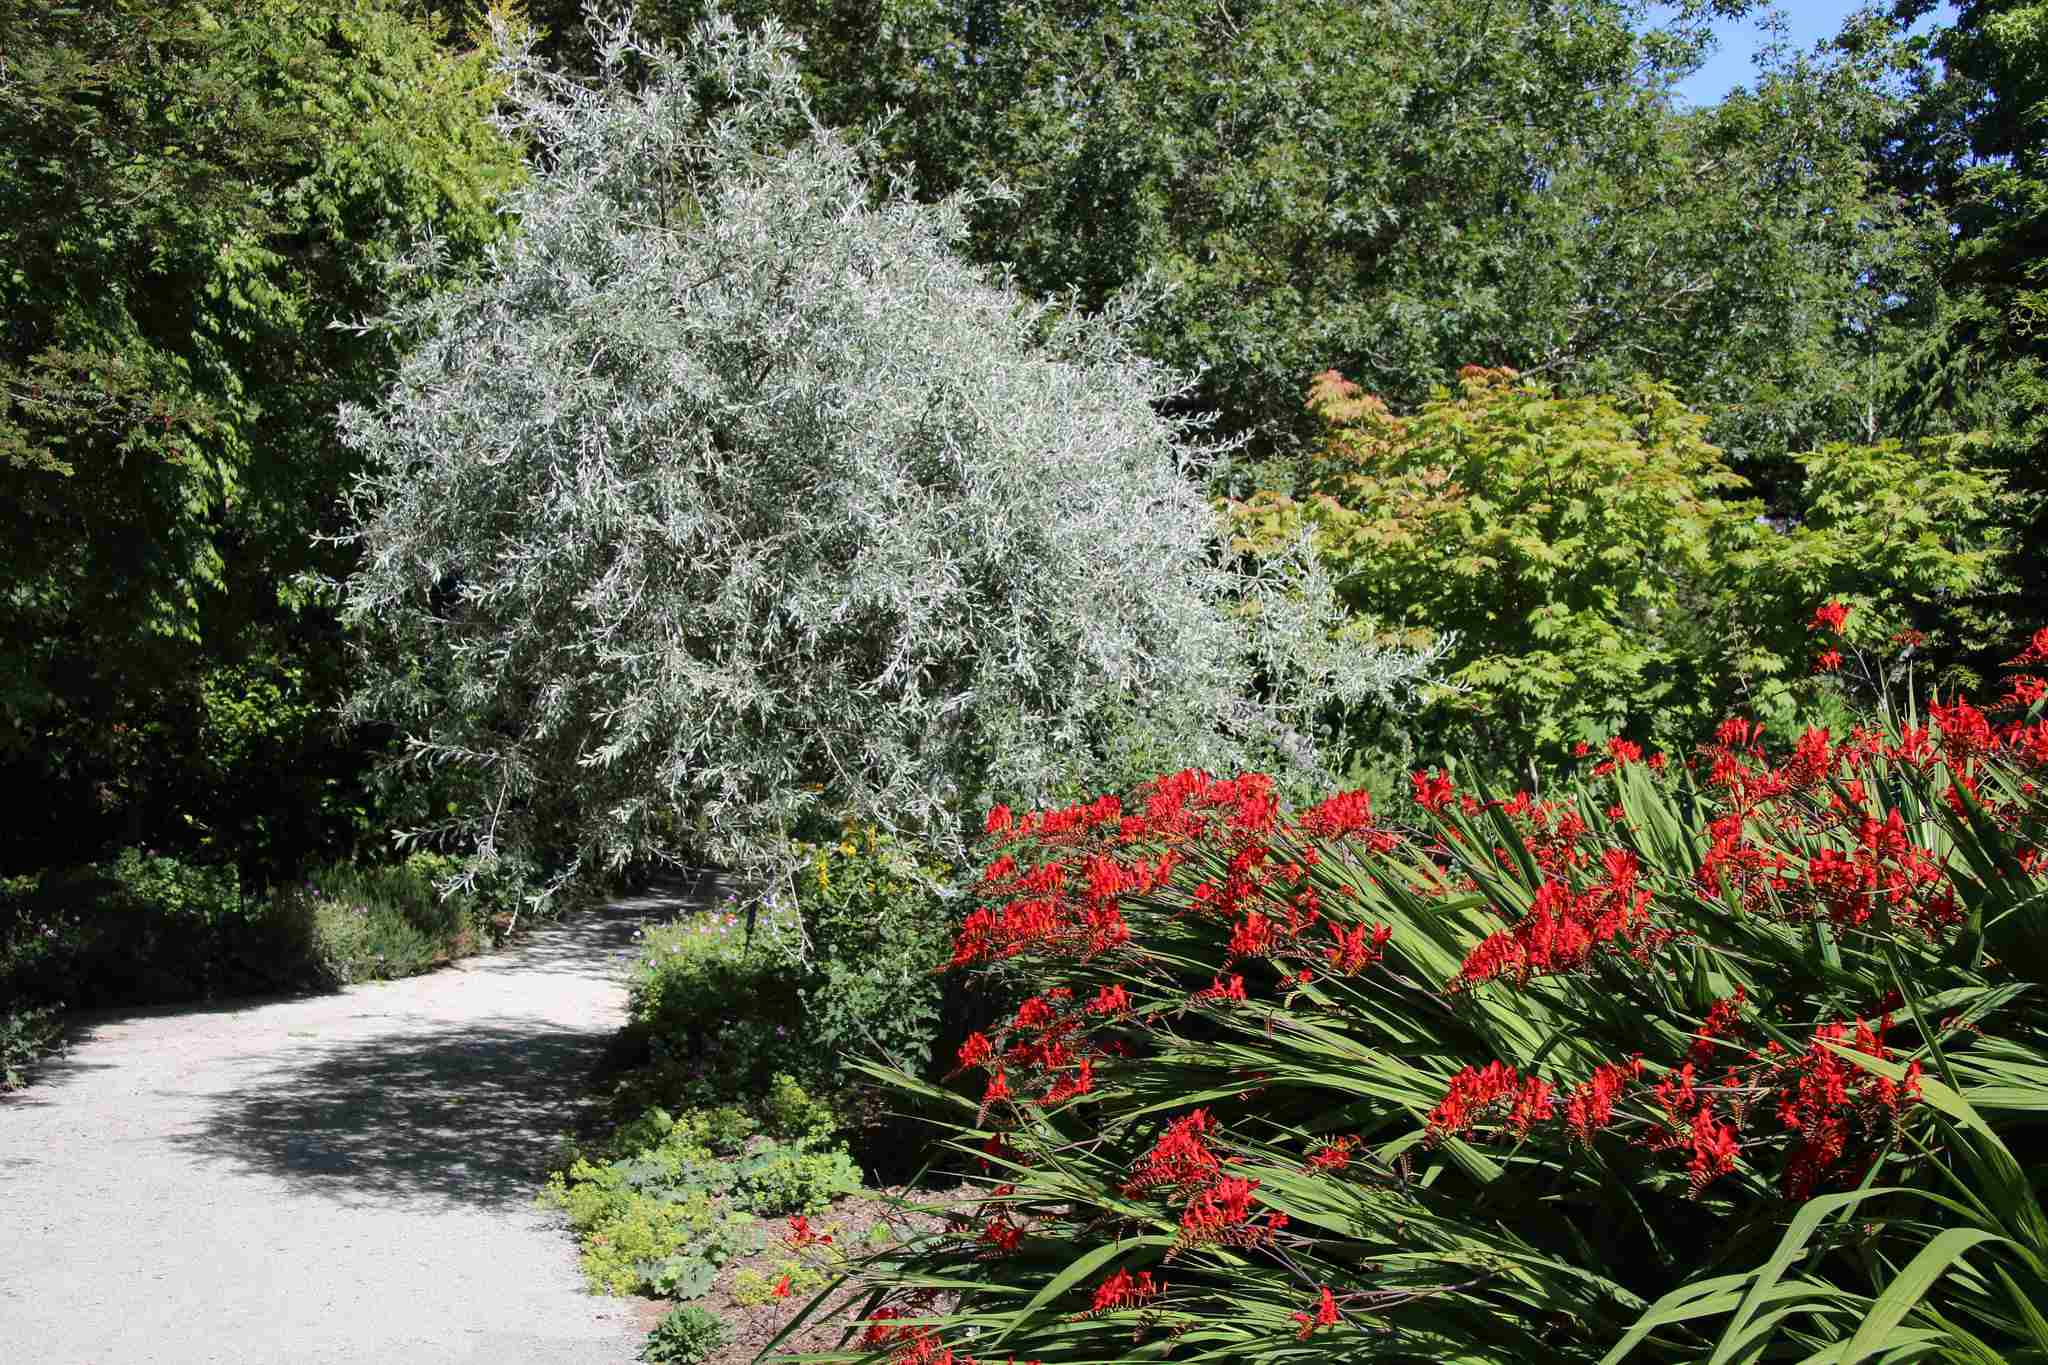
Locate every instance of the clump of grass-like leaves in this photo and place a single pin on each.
(1733, 1057)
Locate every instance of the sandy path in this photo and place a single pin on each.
(343, 1180)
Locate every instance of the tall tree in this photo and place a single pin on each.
(732, 495)
(1392, 187)
(1973, 320)
(189, 197)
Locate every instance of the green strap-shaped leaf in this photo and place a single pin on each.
(1908, 1286)
(1790, 1247)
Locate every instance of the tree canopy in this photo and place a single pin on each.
(730, 493)
(188, 199)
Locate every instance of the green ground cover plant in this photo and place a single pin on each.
(668, 1200)
(687, 1335)
(1738, 1054)
(28, 1033)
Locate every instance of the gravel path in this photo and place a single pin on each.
(342, 1180)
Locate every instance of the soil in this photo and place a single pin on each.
(849, 1223)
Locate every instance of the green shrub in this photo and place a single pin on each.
(846, 970)
(780, 1179)
(145, 929)
(378, 921)
(878, 934)
(686, 1336)
(793, 1113)
(27, 1034)
(714, 1000)
(1605, 569)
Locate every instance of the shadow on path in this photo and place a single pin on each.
(462, 1112)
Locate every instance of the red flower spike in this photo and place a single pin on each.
(1333, 1156)
(1432, 792)
(1591, 1106)
(1034, 1014)
(1713, 1149)
(1829, 617)
(1110, 1000)
(879, 1332)
(1322, 1313)
(1226, 990)
(1180, 1158)
(1002, 1236)
(1124, 1290)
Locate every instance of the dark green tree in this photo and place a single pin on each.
(1971, 327)
(189, 197)
(1391, 187)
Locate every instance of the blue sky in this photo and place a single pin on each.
(1810, 21)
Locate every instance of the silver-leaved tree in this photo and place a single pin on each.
(727, 492)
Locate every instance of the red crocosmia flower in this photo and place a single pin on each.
(1713, 1148)
(1738, 733)
(1829, 661)
(1591, 1105)
(1829, 617)
(1433, 791)
(1812, 759)
(1180, 1158)
(2022, 691)
(1226, 990)
(1251, 936)
(1124, 1290)
(802, 1235)
(1472, 1092)
(1035, 1013)
(1002, 1235)
(1323, 1313)
(1104, 929)
(781, 1289)
(1219, 1212)
(1722, 1021)
(994, 1149)
(2036, 651)
(1346, 813)
(998, 1089)
(1334, 1156)
(1964, 730)
(1353, 952)
(998, 820)
(1079, 1081)
(976, 1051)
(1624, 751)
(1110, 1000)
(879, 1332)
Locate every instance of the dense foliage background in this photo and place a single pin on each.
(454, 446)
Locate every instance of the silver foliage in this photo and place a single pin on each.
(727, 490)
